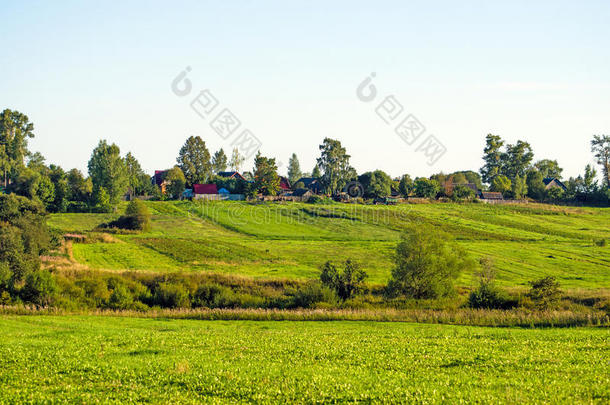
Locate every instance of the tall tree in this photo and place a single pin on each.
(107, 170)
(294, 169)
(138, 180)
(334, 163)
(376, 184)
(517, 159)
(177, 182)
(589, 180)
(600, 146)
(316, 173)
(549, 168)
(266, 179)
(219, 161)
(236, 161)
(405, 186)
(492, 155)
(194, 161)
(15, 130)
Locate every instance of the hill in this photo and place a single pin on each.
(292, 240)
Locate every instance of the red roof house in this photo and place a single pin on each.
(205, 189)
(285, 184)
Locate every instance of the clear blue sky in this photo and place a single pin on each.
(537, 71)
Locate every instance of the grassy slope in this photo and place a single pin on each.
(91, 359)
(292, 240)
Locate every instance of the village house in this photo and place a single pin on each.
(553, 182)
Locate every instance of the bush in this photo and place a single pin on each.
(39, 288)
(120, 298)
(346, 283)
(489, 296)
(601, 242)
(426, 265)
(313, 293)
(545, 293)
(208, 295)
(136, 218)
(171, 296)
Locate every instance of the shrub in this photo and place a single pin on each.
(489, 296)
(426, 264)
(313, 293)
(207, 295)
(346, 283)
(120, 298)
(171, 296)
(545, 292)
(601, 242)
(136, 218)
(39, 288)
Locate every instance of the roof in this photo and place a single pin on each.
(300, 192)
(549, 180)
(223, 191)
(471, 186)
(311, 183)
(205, 189)
(231, 175)
(284, 183)
(491, 195)
(159, 176)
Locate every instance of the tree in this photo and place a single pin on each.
(316, 173)
(545, 292)
(600, 146)
(462, 192)
(137, 217)
(376, 184)
(425, 188)
(519, 187)
(334, 163)
(102, 200)
(492, 155)
(589, 180)
(15, 130)
(138, 181)
(266, 179)
(177, 182)
(536, 188)
(79, 188)
(107, 170)
(294, 169)
(501, 184)
(549, 168)
(405, 186)
(517, 159)
(236, 160)
(194, 161)
(219, 161)
(346, 283)
(426, 264)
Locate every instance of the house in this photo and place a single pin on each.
(301, 194)
(231, 175)
(312, 183)
(491, 195)
(284, 184)
(188, 193)
(553, 182)
(159, 180)
(205, 192)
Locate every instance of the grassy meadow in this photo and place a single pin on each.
(85, 359)
(291, 240)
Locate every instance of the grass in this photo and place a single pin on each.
(292, 240)
(88, 359)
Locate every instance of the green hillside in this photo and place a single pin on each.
(291, 240)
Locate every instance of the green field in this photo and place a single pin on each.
(292, 240)
(105, 359)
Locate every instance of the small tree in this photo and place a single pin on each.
(294, 169)
(545, 292)
(177, 182)
(347, 283)
(501, 184)
(488, 295)
(237, 160)
(427, 264)
(219, 161)
(405, 186)
(138, 215)
(266, 180)
(462, 192)
(425, 188)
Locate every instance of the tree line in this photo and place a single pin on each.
(508, 168)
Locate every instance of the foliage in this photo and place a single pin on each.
(427, 264)
(346, 283)
(15, 130)
(600, 146)
(107, 171)
(294, 169)
(194, 161)
(425, 188)
(335, 167)
(492, 155)
(266, 179)
(237, 160)
(549, 168)
(519, 187)
(545, 292)
(501, 184)
(376, 184)
(488, 295)
(405, 186)
(102, 201)
(136, 218)
(219, 161)
(462, 192)
(177, 182)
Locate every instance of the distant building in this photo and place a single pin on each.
(553, 182)
(491, 195)
(205, 192)
(312, 183)
(159, 179)
(231, 175)
(284, 184)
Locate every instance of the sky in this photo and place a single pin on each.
(289, 71)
